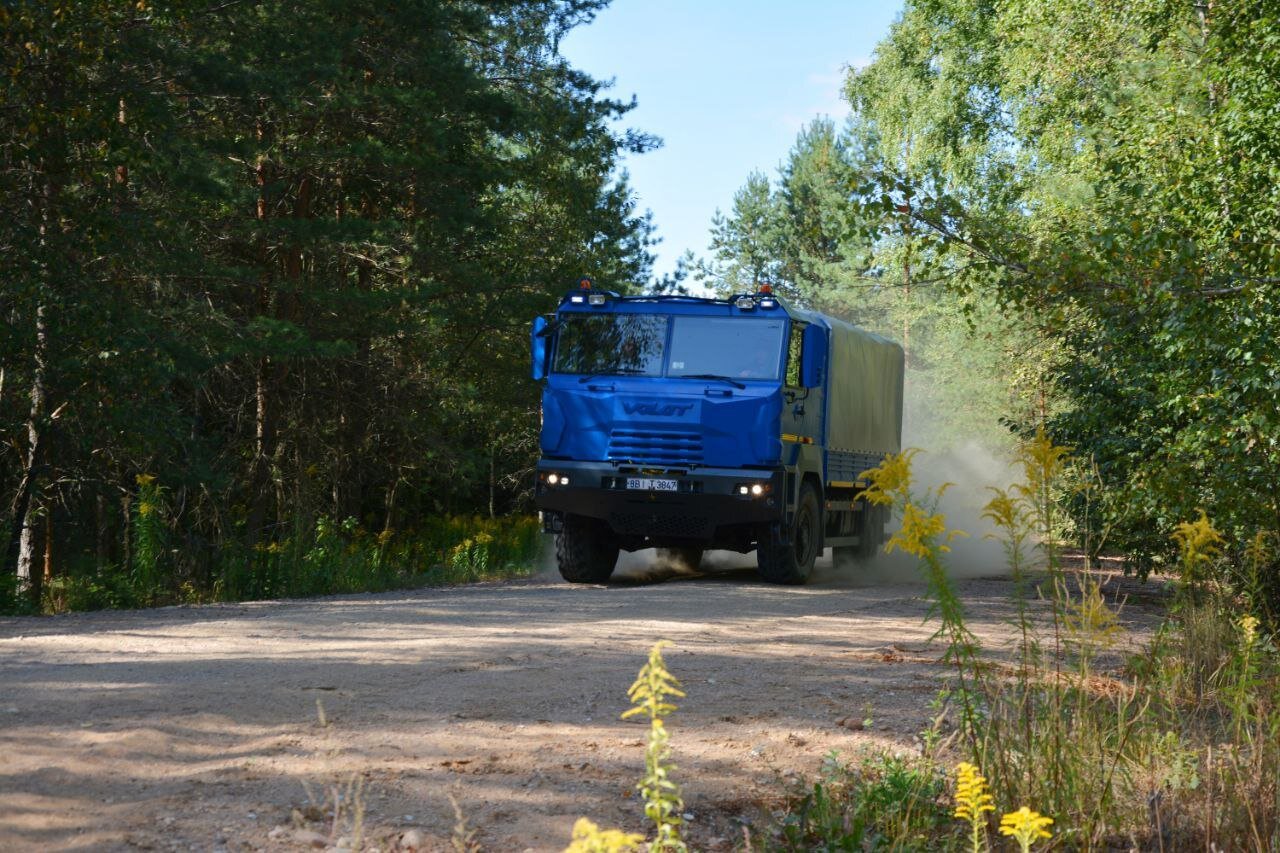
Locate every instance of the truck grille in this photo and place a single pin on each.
(658, 447)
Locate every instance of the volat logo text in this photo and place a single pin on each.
(657, 410)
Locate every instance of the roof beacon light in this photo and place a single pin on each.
(597, 299)
(766, 288)
(746, 303)
(585, 283)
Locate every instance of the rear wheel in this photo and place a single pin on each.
(870, 536)
(690, 558)
(791, 561)
(586, 550)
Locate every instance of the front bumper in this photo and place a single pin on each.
(707, 506)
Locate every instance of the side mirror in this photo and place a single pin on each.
(538, 345)
(813, 359)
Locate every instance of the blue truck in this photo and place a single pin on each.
(687, 423)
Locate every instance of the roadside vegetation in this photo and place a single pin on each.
(1176, 747)
(330, 558)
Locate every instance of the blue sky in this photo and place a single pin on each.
(727, 85)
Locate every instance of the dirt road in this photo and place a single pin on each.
(198, 728)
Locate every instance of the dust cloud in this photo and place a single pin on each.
(972, 469)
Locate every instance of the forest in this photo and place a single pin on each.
(269, 267)
(1067, 213)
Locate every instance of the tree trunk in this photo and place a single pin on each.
(102, 532)
(47, 575)
(126, 521)
(264, 415)
(22, 536)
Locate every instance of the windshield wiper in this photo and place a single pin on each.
(735, 383)
(621, 371)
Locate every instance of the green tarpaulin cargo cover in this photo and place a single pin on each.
(864, 395)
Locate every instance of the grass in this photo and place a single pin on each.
(329, 558)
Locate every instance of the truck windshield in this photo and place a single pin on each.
(612, 343)
(701, 347)
(738, 348)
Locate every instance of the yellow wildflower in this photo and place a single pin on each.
(1249, 630)
(972, 800)
(1198, 541)
(918, 528)
(890, 479)
(589, 838)
(145, 479)
(145, 508)
(1042, 463)
(972, 797)
(1089, 621)
(1025, 826)
(1002, 510)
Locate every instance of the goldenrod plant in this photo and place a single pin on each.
(663, 804)
(1199, 545)
(1026, 826)
(973, 801)
(925, 535)
(148, 537)
(589, 838)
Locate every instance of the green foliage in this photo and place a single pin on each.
(1100, 171)
(884, 802)
(329, 559)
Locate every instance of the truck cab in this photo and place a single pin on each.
(687, 423)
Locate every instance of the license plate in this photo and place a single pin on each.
(650, 484)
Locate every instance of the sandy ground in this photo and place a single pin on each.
(197, 728)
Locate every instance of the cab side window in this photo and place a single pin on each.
(795, 344)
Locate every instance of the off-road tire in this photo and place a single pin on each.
(586, 550)
(791, 562)
(870, 537)
(690, 558)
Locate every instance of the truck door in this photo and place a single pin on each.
(801, 414)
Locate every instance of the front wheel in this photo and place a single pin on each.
(586, 550)
(791, 562)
